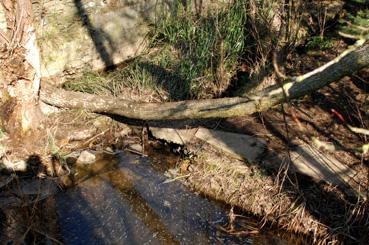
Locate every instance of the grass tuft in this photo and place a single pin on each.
(318, 42)
(191, 56)
(207, 46)
(90, 82)
(194, 55)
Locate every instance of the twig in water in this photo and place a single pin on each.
(176, 178)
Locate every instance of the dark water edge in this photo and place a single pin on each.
(131, 202)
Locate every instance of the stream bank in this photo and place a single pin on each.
(134, 199)
(255, 182)
(261, 186)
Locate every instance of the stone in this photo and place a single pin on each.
(312, 162)
(75, 35)
(19, 166)
(125, 131)
(109, 150)
(172, 135)
(135, 148)
(81, 134)
(48, 109)
(240, 146)
(86, 158)
(93, 35)
(102, 122)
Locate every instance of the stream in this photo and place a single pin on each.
(129, 200)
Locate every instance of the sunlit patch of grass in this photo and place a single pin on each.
(89, 82)
(132, 76)
(135, 76)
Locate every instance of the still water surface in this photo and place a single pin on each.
(129, 201)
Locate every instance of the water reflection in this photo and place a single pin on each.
(128, 202)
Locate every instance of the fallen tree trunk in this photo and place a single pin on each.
(20, 69)
(350, 61)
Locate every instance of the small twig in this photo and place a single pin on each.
(232, 219)
(89, 141)
(279, 73)
(346, 35)
(46, 235)
(3, 38)
(176, 178)
(252, 231)
(136, 152)
(282, 76)
(25, 234)
(143, 139)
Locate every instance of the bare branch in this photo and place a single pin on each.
(350, 61)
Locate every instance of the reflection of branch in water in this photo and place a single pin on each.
(97, 35)
(120, 181)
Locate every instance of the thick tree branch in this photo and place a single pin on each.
(350, 61)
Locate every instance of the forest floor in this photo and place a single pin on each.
(269, 188)
(326, 120)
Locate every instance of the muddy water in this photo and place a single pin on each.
(130, 201)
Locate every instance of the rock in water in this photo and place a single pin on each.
(137, 148)
(86, 158)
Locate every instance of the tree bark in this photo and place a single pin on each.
(19, 69)
(350, 61)
(20, 114)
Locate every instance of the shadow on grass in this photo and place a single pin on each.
(330, 208)
(177, 87)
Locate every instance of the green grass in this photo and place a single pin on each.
(190, 56)
(134, 76)
(89, 82)
(321, 43)
(54, 149)
(355, 26)
(208, 46)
